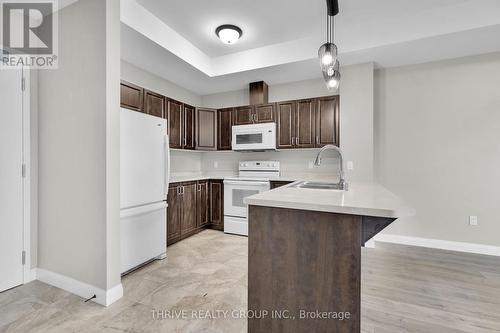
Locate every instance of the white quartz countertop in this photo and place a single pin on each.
(367, 199)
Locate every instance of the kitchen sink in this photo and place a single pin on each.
(319, 185)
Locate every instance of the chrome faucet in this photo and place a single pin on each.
(343, 185)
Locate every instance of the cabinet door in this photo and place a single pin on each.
(285, 124)
(327, 121)
(243, 115)
(305, 124)
(276, 184)
(217, 204)
(206, 129)
(175, 123)
(188, 220)
(224, 129)
(189, 127)
(264, 113)
(154, 104)
(202, 203)
(173, 215)
(131, 96)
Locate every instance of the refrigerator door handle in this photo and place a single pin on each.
(167, 164)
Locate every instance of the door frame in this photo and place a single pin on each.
(28, 273)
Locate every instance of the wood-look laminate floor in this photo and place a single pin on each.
(404, 289)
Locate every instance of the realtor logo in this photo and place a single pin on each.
(29, 34)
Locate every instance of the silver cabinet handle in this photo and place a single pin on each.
(183, 190)
(256, 117)
(297, 141)
(317, 139)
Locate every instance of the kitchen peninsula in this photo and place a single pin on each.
(305, 254)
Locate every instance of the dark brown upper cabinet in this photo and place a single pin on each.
(264, 113)
(175, 123)
(189, 127)
(154, 104)
(224, 129)
(243, 115)
(206, 129)
(305, 124)
(285, 127)
(131, 96)
(328, 121)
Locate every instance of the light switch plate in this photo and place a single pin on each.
(473, 220)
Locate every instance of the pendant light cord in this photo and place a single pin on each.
(330, 28)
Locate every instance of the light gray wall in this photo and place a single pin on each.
(78, 144)
(135, 75)
(113, 255)
(34, 167)
(437, 145)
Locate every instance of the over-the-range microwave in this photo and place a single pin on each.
(254, 137)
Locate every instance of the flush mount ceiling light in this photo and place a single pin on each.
(228, 33)
(327, 53)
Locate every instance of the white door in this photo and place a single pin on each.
(11, 182)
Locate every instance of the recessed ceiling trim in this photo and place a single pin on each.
(363, 38)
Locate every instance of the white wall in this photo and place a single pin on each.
(78, 148)
(437, 145)
(157, 84)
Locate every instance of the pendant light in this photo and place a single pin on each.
(327, 53)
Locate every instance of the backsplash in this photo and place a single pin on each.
(292, 162)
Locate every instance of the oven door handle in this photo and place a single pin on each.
(246, 183)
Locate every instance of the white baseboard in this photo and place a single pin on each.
(32, 277)
(439, 244)
(82, 289)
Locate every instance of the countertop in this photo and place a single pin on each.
(367, 199)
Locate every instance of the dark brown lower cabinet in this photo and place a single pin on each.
(217, 204)
(192, 207)
(181, 211)
(188, 218)
(202, 203)
(276, 184)
(174, 214)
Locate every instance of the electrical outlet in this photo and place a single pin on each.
(473, 220)
(310, 165)
(350, 165)
(216, 164)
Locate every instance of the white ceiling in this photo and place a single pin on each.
(176, 39)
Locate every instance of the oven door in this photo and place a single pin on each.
(237, 190)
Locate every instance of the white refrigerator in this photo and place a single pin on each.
(144, 175)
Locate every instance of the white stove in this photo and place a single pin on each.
(254, 177)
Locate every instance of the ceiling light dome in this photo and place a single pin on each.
(228, 33)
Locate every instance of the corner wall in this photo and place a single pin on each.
(78, 154)
(437, 145)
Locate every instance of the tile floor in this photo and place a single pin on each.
(404, 289)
